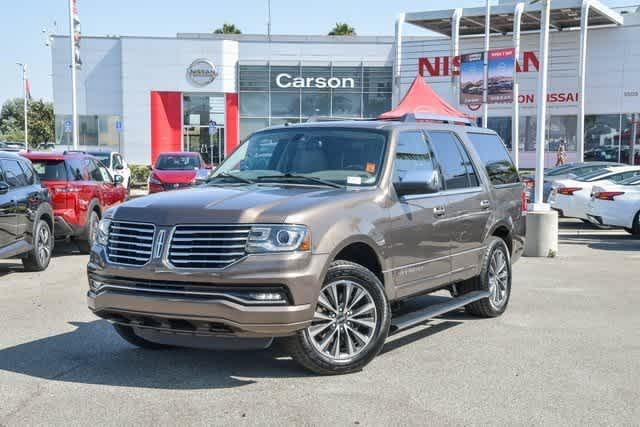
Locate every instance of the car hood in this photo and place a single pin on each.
(231, 204)
(175, 177)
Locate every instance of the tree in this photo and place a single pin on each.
(228, 29)
(41, 121)
(342, 29)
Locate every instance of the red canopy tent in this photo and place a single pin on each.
(421, 98)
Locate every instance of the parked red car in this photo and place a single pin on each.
(176, 170)
(81, 190)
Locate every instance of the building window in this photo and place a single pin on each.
(271, 94)
(94, 130)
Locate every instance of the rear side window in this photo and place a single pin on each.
(50, 170)
(28, 172)
(77, 170)
(495, 157)
(13, 173)
(455, 164)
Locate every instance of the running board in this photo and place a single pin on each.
(414, 318)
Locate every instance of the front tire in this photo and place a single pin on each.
(494, 277)
(350, 324)
(39, 257)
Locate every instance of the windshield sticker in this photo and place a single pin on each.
(370, 168)
(354, 180)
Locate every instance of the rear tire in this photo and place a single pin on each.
(350, 325)
(495, 277)
(635, 228)
(87, 239)
(39, 257)
(128, 334)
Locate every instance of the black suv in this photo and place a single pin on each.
(26, 216)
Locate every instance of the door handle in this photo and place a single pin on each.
(485, 204)
(439, 211)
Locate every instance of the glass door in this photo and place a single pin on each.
(208, 142)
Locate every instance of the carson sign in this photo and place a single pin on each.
(285, 81)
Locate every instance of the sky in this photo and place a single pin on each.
(22, 23)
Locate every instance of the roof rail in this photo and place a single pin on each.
(414, 117)
(335, 119)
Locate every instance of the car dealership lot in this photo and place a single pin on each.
(566, 351)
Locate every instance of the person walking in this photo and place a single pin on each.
(561, 155)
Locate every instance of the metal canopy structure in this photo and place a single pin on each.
(565, 14)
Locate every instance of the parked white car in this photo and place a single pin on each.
(115, 162)
(616, 205)
(570, 197)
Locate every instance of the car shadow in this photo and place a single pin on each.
(61, 248)
(92, 353)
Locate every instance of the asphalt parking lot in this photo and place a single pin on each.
(567, 352)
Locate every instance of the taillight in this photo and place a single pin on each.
(528, 182)
(607, 195)
(523, 199)
(568, 191)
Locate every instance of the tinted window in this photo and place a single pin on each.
(104, 173)
(117, 161)
(93, 170)
(454, 161)
(50, 170)
(495, 158)
(77, 170)
(28, 172)
(413, 153)
(622, 176)
(14, 176)
(105, 158)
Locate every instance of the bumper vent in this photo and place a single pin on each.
(130, 243)
(208, 247)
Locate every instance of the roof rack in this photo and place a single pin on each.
(335, 119)
(415, 117)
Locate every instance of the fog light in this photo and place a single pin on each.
(266, 296)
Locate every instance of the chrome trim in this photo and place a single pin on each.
(110, 256)
(470, 190)
(104, 287)
(391, 270)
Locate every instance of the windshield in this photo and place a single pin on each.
(559, 170)
(105, 158)
(340, 156)
(634, 180)
(177, 162)
(594, 176)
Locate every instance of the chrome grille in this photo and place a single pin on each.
(207, 246)
(130, 243)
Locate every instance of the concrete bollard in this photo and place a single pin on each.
(542, 234)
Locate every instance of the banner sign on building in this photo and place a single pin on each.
(502, 64)
(76, 32)
(471, 78)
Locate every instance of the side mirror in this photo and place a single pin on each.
(417, 182)
(118, 179)
(4, 188)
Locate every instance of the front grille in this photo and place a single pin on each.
(177, 186)
(130, 243)
(207, 246)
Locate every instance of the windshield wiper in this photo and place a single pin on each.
(306, 178)
(232, 176)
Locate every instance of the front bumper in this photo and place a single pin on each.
(208, 303)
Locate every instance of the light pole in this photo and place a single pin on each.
(26, 103)
(74, 101)
(485, 89)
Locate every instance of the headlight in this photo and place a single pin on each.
(103, 232)
(154, 180)
(278, 238)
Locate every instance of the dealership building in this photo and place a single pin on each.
(208, 92)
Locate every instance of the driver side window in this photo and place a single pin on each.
(413, 153)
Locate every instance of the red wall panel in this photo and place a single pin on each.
(166, 123)
(232, 123)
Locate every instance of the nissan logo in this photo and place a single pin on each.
(201, 72)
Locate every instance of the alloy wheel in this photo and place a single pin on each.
(345, 321)
(498, 279)
(43, 244)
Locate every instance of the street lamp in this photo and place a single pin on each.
(26, 102)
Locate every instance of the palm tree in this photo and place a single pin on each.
(342, 29)
(227, 29)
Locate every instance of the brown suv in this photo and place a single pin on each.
(309, 233)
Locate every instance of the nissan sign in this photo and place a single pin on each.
(201, 72)
(285, 80)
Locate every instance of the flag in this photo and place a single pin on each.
(75, 33)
